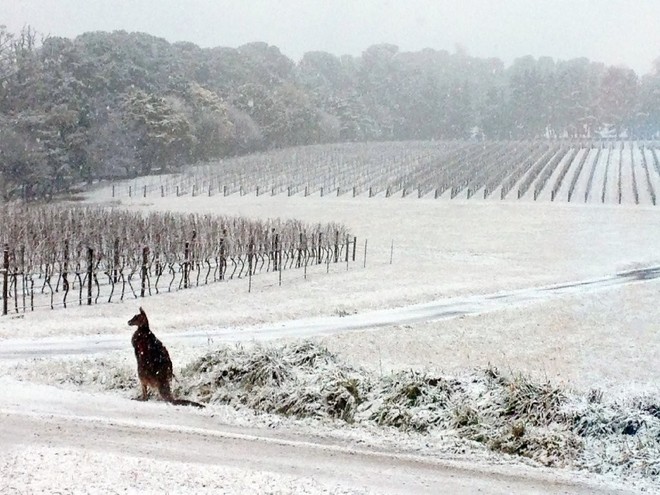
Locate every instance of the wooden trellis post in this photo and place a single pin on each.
(222, 257)
(185, 265)
(115, 271)
(90, 274)
(276, 247)
(279, 263)
(250, 262)
(145, 262)
(5, 278)
(65, 273)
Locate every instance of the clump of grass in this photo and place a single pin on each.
(410, 401)
(98, 374)
(299, 380)
(533, 403)
(548, 446)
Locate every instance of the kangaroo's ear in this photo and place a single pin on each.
(142, 310)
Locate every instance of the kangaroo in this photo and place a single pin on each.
(153, 362)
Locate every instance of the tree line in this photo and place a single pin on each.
(114, 105)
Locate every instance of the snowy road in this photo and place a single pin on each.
(42, 418)
(13, 349)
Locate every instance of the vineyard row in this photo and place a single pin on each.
(92, 254)
(95, 281)
(587, 172)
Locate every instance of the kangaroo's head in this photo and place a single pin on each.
(139, 320)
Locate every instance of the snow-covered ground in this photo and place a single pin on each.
(498, 268)
(600, 173)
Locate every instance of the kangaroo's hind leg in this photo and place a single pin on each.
(165, 390)
(145, 393)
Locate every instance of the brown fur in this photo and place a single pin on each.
(153, 362)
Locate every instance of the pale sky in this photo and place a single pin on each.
(619, 32)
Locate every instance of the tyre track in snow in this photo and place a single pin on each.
(14, 349)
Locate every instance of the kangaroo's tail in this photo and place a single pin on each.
(185, 402)
(166, 394)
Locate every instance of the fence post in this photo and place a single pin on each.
(186, 253)
(90, 272)
(279, 260)
(23, 274)
(145, 261)
(65, 274)
(276, 247)
(336, 246)
(192, 252)
(250, 254)
(5, 278)
(306, 257)
(354, 247)
(365, 254)
(318, 259)
(116, 261)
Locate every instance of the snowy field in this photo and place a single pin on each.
(503, 271)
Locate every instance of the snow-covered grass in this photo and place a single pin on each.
(501, 411)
